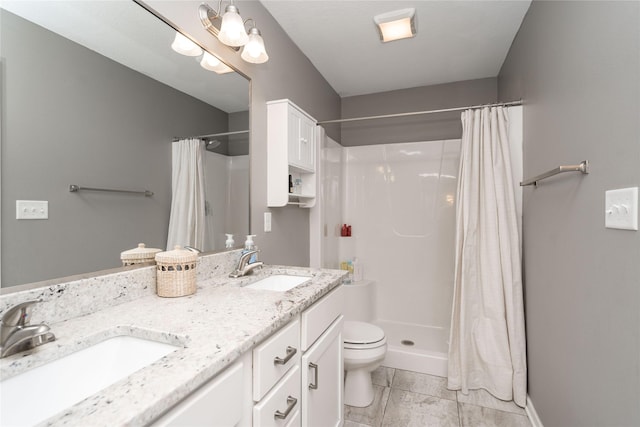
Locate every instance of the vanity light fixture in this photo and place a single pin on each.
(211, 63)
(396, 25)
(233, 33)
(254, 50)
(184, 46)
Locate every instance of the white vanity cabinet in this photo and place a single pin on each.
(223, 401)
(292, 151)
(306, 390)
(276, 378)
(322, 362)
(294, 378)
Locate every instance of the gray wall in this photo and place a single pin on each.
(431, 127)
(71, 116)
(577, 67)
(288, 74)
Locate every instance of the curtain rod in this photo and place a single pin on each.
(415, 113)
(211, 135)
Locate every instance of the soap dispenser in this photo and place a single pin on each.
(229, 242)
(249, 245)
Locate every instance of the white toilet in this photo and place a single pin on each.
(365, 344)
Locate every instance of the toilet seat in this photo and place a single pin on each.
(361, 335)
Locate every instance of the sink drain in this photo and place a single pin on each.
(407, 342)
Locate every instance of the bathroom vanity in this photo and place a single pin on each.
(243, 356)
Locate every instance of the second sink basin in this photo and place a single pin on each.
(37, 394)
(278, 282)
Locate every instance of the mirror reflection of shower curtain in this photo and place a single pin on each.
(487, 341)
(187, 219)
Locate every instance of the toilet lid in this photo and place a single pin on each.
(361, 333)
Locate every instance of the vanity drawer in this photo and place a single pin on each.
(284, 399)
(317, 318)
(274, 357)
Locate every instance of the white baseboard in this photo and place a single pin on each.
(532, 414)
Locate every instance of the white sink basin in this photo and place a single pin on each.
(42, 392)
(279, 282)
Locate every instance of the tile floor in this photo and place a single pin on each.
(405, 398)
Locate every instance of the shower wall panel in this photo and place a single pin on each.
(227, 198)
(400, 201)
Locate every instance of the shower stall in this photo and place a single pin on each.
(400, 199)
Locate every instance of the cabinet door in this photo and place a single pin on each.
(307, 144)
(219, 402)
(301, 141)
(293, 137)
(322, 380)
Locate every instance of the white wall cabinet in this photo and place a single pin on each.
(291, 150)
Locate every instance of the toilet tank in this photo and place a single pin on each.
(359, 301)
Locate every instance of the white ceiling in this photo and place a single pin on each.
(455, 41)
(126, 33)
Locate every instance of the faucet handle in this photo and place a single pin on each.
(18, 314)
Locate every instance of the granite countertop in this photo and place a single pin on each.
(214, 327)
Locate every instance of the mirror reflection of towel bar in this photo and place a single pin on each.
(582, 167)
(75, 188)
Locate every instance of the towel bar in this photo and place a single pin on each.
(75, 188)
(582, 167)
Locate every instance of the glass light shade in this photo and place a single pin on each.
(211, 63)
(396, 25)
(396, 30)
(232, 32)
(254, 50)
(184, 46)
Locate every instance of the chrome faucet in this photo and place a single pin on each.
(16, 334)
(192, 249)
(244, 267)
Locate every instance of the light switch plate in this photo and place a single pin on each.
(32, 209)
(621, 208)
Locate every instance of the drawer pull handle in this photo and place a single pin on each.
(290, 353)
(314, 384)
(291, 403)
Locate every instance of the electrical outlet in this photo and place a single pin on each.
(32, 209)
(621, 208)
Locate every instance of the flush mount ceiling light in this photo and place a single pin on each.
(232, 31)
(396, 25)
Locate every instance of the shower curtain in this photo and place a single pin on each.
(187, 219)
(487, 338)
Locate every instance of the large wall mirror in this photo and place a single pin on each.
(93, 95)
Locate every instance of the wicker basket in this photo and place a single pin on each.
(139, 255)
(176, 273)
